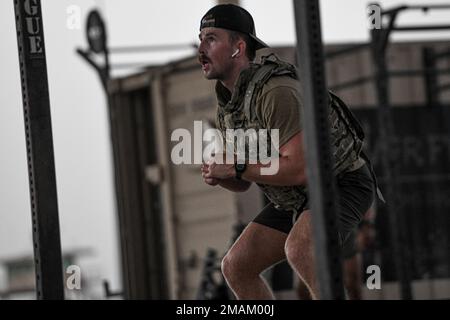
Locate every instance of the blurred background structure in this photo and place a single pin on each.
(153, 229)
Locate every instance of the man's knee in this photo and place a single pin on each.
(234, 268)
(299, 243)
(226, 266)
(298, 249)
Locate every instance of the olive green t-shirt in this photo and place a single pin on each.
(279, 106)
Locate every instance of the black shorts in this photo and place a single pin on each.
(355, 196)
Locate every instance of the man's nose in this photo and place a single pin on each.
(201, 48)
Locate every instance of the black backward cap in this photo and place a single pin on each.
(232, 17)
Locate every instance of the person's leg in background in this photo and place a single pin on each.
(352, 268)
(352, 280)
(362, 239)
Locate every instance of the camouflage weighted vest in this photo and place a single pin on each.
(238, 113)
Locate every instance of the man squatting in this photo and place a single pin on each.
(267, 95)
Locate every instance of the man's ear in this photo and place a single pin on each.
(242, 46)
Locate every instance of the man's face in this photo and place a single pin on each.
(214, 53)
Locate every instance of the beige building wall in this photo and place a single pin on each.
(204, 215)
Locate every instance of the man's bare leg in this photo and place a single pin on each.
(302, 290)
(300, 252)
(258, 248)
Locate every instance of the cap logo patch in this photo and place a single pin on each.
(208, 22)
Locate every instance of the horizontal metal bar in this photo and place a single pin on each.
(423, 28)
(442, 54)
(339, 52)
(393, 10)
(142, 65)
(440, 71)
(430, 7)
(443, 87)
(406, 73)
(417, 72)
(392, 73)
(416, 7)
(352, 83)
(150, 48)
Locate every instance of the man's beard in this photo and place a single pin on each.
(212, 73)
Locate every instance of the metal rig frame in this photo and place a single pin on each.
(40, 156)
(378, 46)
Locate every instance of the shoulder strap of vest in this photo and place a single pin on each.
(349, 114)
(260, 74)
(270, 65)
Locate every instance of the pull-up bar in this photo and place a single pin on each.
(392, 12)
(151, 48)
(435, 27)
(424, 8)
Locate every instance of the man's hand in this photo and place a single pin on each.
(231, 183)
(219, 170)
(210, 181)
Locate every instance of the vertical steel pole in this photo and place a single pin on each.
(321, 182)
(41, 166)
(380, 38)
(430, 77)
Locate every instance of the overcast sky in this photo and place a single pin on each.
(79, 118)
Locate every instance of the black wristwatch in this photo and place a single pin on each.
(240, 168)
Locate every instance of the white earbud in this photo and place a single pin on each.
(235, 53)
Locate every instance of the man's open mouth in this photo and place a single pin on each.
(204, 62)
(205, 66)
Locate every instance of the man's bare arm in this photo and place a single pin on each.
(287, 170)
(291, 166)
